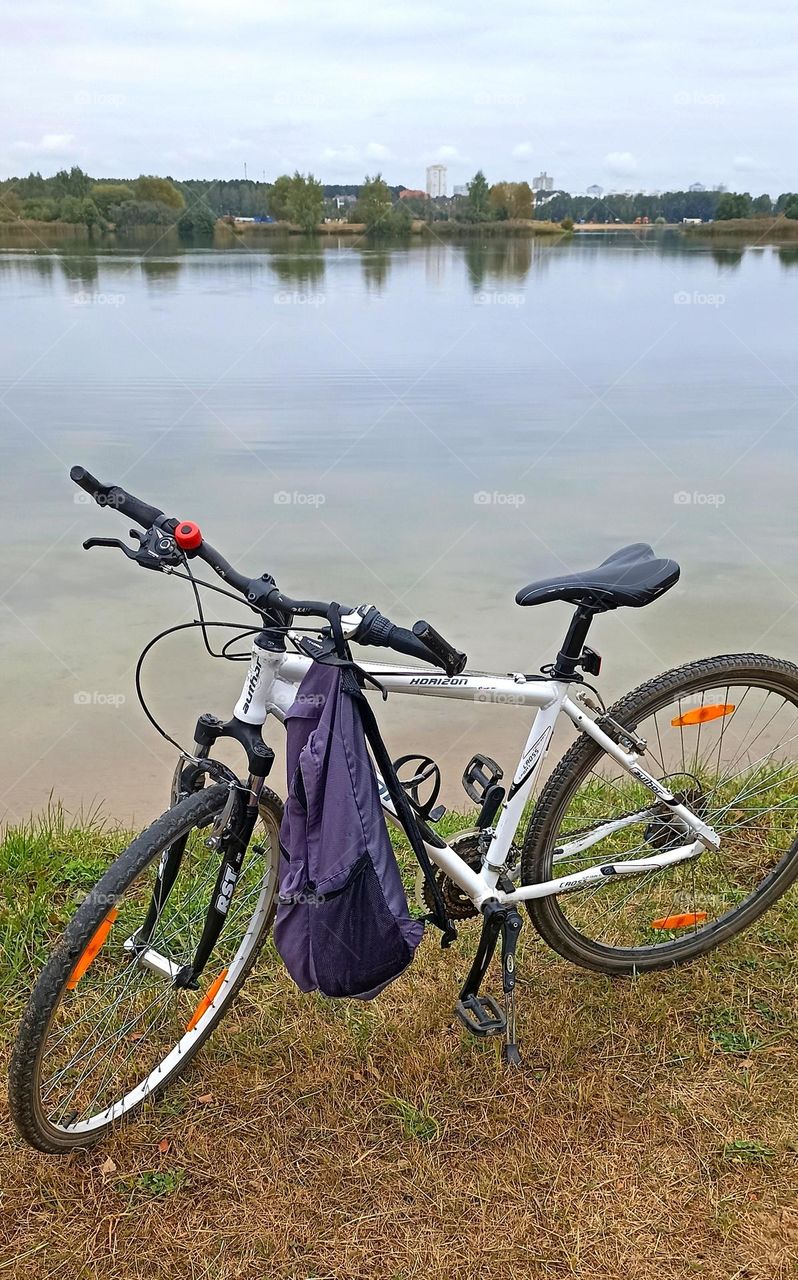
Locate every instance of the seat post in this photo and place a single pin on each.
(571, 651)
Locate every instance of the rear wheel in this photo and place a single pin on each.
(106, 1028)
(723, 733)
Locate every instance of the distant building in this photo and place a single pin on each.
(407, 194)
(697, 186)
(595, 191)
(436, 181)
(692, 222)
(343, 202)
(461, 190)
(543, 182)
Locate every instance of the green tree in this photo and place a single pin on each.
(374, 206)
(197, 223)
(791, 208)
(10, 204)
(158, 191)
(104, 194)
(72, 182)
(786, 199)
(762, 204)
(305, 201)
(279, 196)
(733, 205)
(478, 201)
(512, 199)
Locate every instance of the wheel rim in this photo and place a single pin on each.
(124, 1029)
(729, 746)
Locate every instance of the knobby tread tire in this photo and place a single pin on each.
(194, 810)
(545, 913)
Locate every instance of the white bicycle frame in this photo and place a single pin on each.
(270, 688)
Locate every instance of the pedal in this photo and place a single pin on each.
(481, 1015)
(480, 775)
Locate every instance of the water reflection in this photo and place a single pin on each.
(303, 268)
(500, 260)
(375, 265)
(160, 271)
(727, 258)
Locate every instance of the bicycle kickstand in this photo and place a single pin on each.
(479, 1013)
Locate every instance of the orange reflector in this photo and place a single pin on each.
(683, 921)
(700, 715)
(206, 1001)
(93, 946)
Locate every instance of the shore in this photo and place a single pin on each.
(322, 1105)
(759, 230)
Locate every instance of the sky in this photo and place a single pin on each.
(614, 92)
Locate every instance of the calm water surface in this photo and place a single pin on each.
(427, 428)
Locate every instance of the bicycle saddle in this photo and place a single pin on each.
(632, 576)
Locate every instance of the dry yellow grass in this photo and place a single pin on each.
(651, 1133)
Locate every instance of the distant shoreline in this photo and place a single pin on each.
(228, 232)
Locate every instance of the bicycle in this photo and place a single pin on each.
(667, 828)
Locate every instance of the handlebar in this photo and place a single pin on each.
(111, 495)
(168, 540)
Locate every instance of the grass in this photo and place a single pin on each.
(651, 1131)
(761, 229)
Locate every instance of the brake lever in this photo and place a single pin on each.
(110, 542)
(156, 550)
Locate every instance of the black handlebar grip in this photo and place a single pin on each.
(111, 495)
(404, 641)
(451, 659)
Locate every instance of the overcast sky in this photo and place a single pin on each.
(615, 92)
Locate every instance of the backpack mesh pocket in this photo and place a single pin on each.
(357, 946)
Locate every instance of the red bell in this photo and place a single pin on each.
(188, 535)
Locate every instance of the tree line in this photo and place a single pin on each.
(194, 205)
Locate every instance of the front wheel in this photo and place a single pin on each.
(722, 733)
(106, 1028)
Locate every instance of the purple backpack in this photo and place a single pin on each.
(343, 925)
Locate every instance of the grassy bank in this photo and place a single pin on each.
(761, 230)
(433, 230)
(651, 1132)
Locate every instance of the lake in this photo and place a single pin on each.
(425, 427)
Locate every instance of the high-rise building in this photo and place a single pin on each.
(543, 182)
(436, 180)
(461, 190)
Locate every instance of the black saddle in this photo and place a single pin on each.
(632, 576)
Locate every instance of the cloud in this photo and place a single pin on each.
(376, 151)
(448, 153)
(745, 164)
(522, 151)
(620, 163)
(50, 144)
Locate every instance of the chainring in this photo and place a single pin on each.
(458, 904)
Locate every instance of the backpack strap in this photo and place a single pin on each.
(404, 813)
(353, 677)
